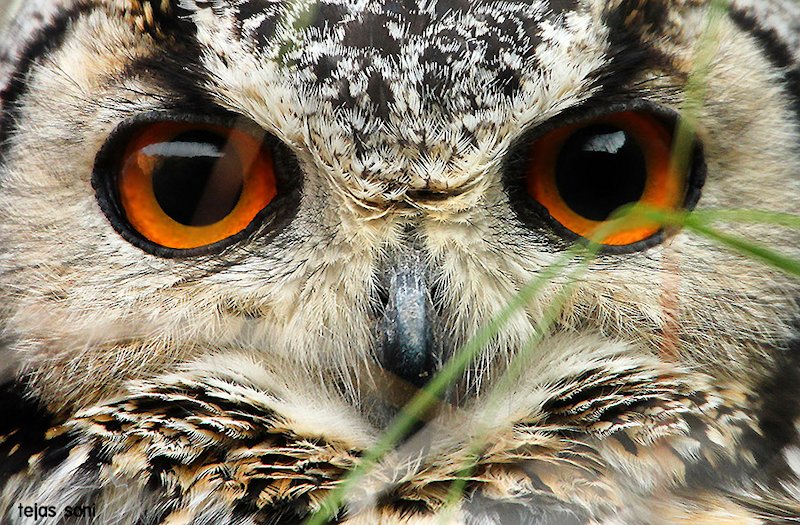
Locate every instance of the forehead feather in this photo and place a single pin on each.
(388, 96)
(368, 55)
(400, 67)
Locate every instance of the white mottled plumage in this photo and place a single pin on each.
(241, 386)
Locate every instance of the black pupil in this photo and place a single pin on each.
(197, 181)
(599, 169)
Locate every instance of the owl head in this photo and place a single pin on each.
(237, 237)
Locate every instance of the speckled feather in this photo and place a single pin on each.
(209, 434)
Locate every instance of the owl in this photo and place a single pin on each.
(487, 262)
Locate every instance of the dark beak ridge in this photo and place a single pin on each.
(406, 339)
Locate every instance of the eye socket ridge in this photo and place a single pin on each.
(572, 173)
(180, 186)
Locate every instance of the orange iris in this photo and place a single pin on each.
(582, 173)
(187, 185)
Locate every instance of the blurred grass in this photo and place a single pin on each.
(583, 255)
(699, 222)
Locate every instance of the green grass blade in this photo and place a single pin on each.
(746, 216)
(700, 225)
(429, 395)
(518, 365)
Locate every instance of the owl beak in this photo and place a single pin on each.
(406, 339)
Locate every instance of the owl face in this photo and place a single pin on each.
(236, 231)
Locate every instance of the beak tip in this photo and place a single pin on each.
(406, 342)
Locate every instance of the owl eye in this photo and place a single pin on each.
(582, 173)
(188, 185)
